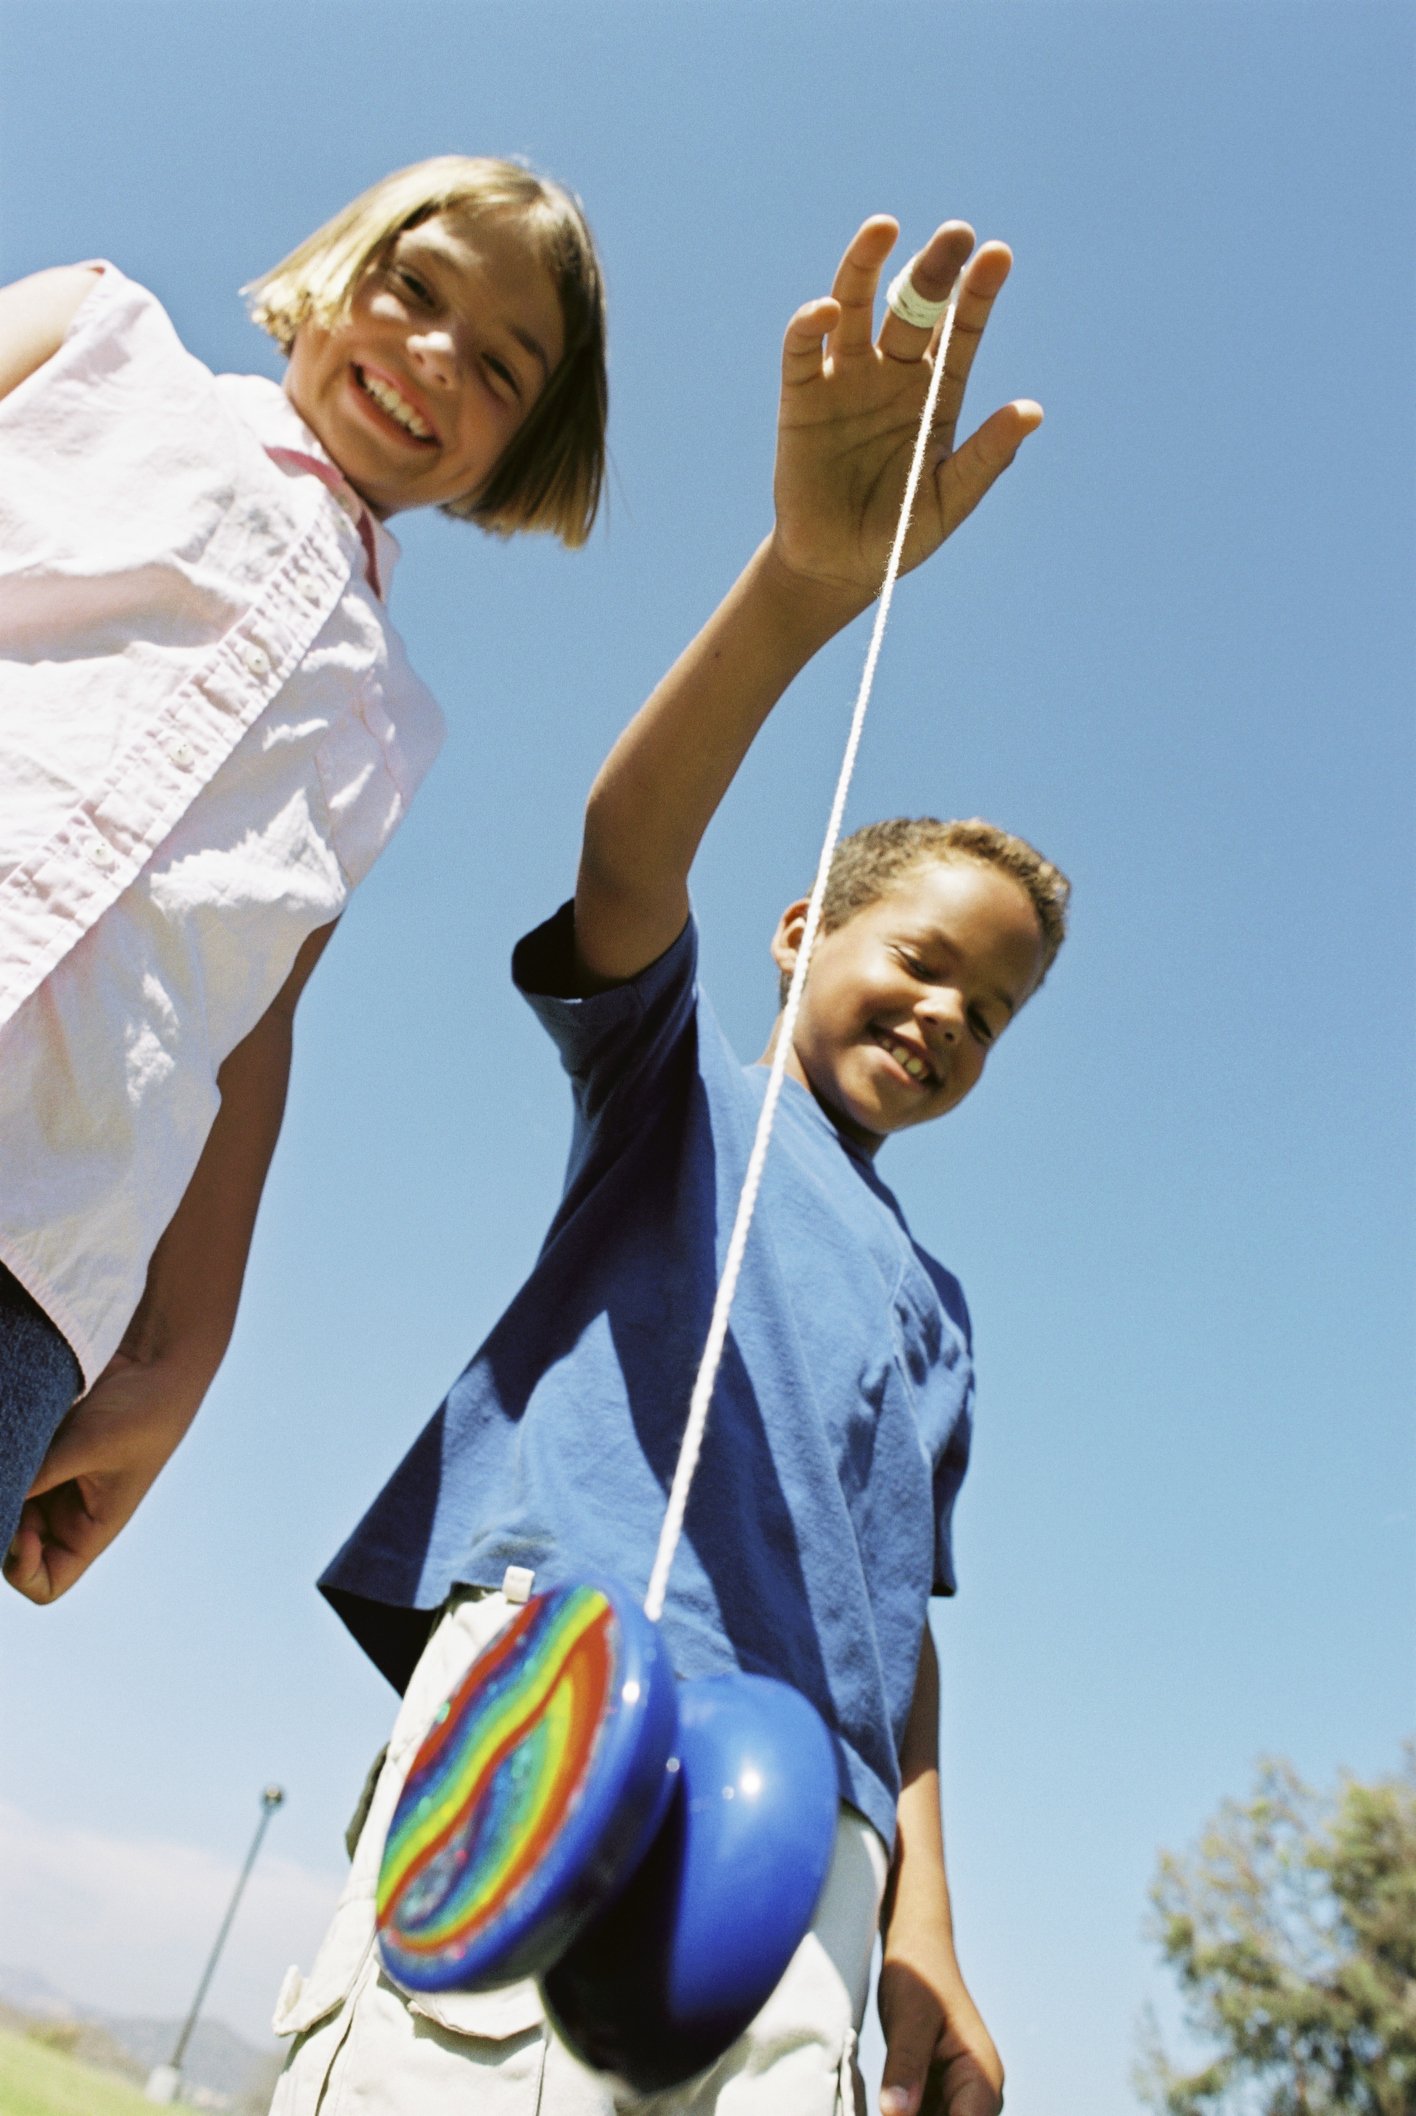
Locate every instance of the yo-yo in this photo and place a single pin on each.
(651, 1851)
(534, 1795)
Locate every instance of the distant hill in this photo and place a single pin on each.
(32, 1993)
(221, 2068)
(217, 2057)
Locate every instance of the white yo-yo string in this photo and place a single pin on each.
(691, 1446)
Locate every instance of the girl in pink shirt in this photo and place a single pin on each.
(208, 732)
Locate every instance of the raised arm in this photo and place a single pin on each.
(850, 408)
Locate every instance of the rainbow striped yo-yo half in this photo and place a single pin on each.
(534, 1796)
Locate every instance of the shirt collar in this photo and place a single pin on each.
(284, 435)
(795, 1095)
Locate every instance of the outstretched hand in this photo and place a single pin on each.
(100, 1464)
(851, 404)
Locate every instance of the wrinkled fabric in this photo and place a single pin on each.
(208, 733)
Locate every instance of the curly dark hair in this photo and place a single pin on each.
(872, 860)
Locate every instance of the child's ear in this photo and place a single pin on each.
(786, 941)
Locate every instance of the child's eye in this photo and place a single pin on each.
(504, 375)
(982, 1029)
(412, 284)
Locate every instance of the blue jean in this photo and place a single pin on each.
(39, 1379)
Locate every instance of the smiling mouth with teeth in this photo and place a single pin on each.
(397, 408)
(912, 1063)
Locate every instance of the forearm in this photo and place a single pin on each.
(917, 1902)
(662, 782)
(939, 2055)
(188, 1308)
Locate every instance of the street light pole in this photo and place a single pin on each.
(164, 2080)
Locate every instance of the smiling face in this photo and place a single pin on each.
(448, 343)
(904, 1001)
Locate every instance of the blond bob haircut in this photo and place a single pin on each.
(874, 860)
(551, 475)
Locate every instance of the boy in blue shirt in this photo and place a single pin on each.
(819, 1520)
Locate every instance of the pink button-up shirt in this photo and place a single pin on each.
(208, 733)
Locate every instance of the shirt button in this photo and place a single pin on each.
(101, 853)
(311, 590)
(182, 753)
(256, 659)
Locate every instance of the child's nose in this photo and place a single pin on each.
(434, 354)
(941, 1014)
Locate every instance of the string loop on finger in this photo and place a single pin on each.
(903, 299)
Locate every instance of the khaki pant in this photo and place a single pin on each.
(365, 2047)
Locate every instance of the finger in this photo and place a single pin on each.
(802, 348)
(857, 277)
(63, 1567)
(932, 271)
(980, 286)
(24, 1560)
(911, 2038)
(59, 1539)
(73, 1452)
(959, 2088)
(27, 1560)
(962, 479)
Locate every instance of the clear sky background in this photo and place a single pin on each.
(1175, 648)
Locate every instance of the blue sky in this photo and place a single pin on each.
(1175, 648)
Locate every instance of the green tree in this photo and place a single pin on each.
(1291, 1929)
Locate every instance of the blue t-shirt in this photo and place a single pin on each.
(819, 1519)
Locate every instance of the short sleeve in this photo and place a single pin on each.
(943, 1377)
(612, 1043)
(948, 1477)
